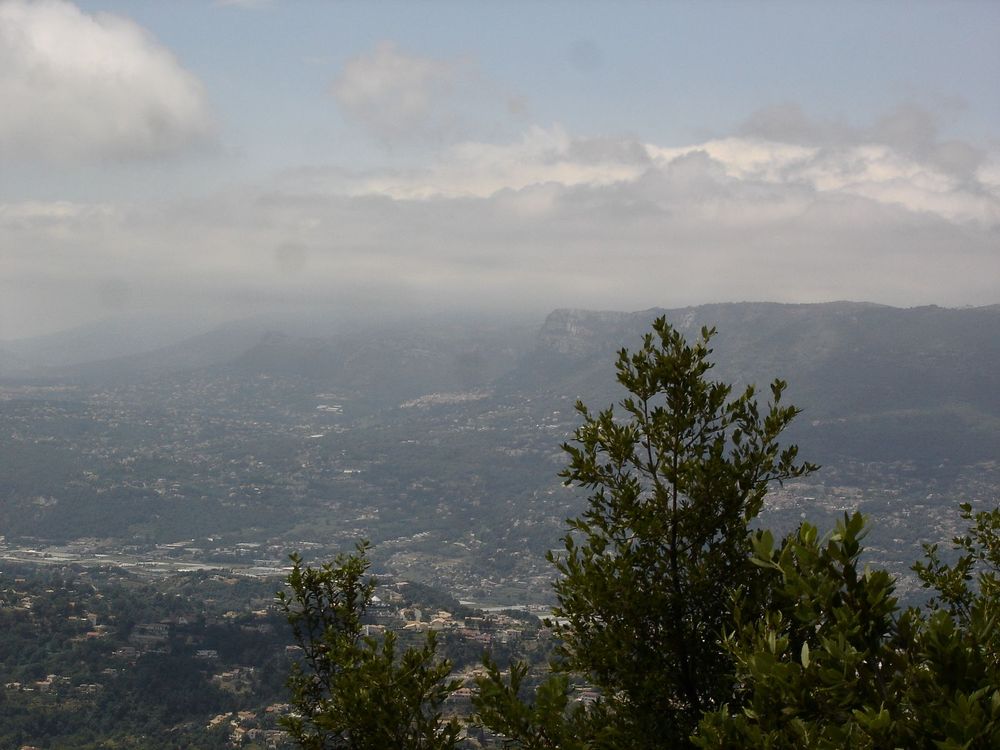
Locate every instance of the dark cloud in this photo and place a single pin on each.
(602, 150)
(788, 123)
(908, 128)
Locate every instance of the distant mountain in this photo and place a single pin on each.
(135, 345)
(389, 366)
(379, 364)
(874, 381)
(11, 363)
(214, 348)
(106, 339)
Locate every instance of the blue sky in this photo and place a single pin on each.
(667, 72)
(592, 154)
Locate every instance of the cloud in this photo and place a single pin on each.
(548, 219)
(914, 175)
(907, 129)
(788, 123)
(75, 86)
(478, 169)
(401, 98)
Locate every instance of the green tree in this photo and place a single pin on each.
(974, 606)
(835, 664)
(817, 668)
(354, 691)
(550, 720)
(645, 582)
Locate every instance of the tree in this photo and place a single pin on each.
(973, 607)
(835, 664)
(549, 721)
(353, 691)
(816, 669)
(645, 583)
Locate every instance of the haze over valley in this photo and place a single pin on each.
(428, 437)
(280, 277)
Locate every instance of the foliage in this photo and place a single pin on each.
(820, 656)
(959, 684)
(549, 721)
(979, 561)
(350, 690)
(645, 580)
(834, 663)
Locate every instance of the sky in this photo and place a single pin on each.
(229, 158)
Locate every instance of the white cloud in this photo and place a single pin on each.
(545, 220)
(395, 95)
(749, 165)
(476, 169)
(870, 170)
(75, 86)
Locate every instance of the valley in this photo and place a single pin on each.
(441, 442)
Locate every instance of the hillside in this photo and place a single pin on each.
(440, 441)
(875, 382)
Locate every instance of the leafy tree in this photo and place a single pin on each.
(817, 668)
(834, 663)
(646, 578)
(550, 721)
(972, 607)
(354, 691)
